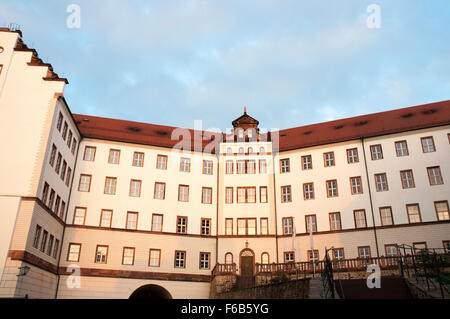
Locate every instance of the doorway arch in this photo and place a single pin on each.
(151, 292)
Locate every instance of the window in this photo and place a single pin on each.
(180, 259)
(52, 156)
(228, 258)
(110, 185)
(265, 258)
(58, 163)
(262, 166)
(413, 213)
(138, 159)
(241, 149)
(306, 162)
(135, 188)
(246, 226)
(157, 222)
(288, 226)
(356, 185)
(204, 260)
(386, 216)
(263, 194)
(160, 190)
(289, 257)
(328, 159)
(79, 216)
(106, 218)
(229, 195)
(101, 254)
(401, 148)
(229, 226)
(335, 221)
(69, 139)
(37, 235)
(434, 175)
(360, 218)
(63, 209)
(418, 247)
(407, 179)
(251, 167)
(332, 190)
(264, 229)
(50, 245)
(391, 250)
(132, 220)
(246, 194)
(381, 182)
(45, 192)
(206, 195)
(60, 121)
(250, 149)
(229, 167)
(229, 151)
(51, 199)
(352, 156)
(185, 164)
(57, 203)
(313, 255)
(428, 144)
(55, 249)
(205, 226)
(154, 257)
(308, 191)
(207, 167)
(442, 210)
(262, 150)
(89, 153)
(311, 223)
(114, 156)
(44, 241)
(364, 252)
(64, 132)
(284, 165)
(128, 256)
(376, 152)
(74, 146)
(69, 175)
(161, 162)
(183, 193)
(74, 252)
(338, 253)
(182, 224)
(85, 183)
(446, 244)
(286, 194)
(63, 170)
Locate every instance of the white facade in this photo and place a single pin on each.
(212, 207)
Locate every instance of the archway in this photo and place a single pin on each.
(247, 267)
(151, 292)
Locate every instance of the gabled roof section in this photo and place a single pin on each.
(371, 125)
(147, 134)
(246, 120)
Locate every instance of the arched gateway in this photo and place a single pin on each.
(151, 292)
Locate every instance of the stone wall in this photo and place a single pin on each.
(295, 289)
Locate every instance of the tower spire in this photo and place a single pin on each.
(245, 109)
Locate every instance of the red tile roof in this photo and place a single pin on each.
(389, 122)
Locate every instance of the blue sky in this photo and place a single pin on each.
(291, 63)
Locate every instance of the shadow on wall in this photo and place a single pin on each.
(151, 292)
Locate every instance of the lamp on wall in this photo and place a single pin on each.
(23, 271)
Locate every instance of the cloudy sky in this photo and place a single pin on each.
(291, 63)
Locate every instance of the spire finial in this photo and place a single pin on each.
(245, 109)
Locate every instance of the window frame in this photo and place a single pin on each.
(78, 254)
(89, 187)
(109, 156)
(432, 140)
(96, 254)
(110, 219)
(155, 189)
(129, 213)
(355, 211)
(134, 159)
(418, 210)
(106, 183)
(406, 148)
(153, 223)
(75, 215)
(437, 213)
(150, 257)
(165, 162)
(85, 149)
(372, 147)
(123, 255)
(348, 155)
(333, 159)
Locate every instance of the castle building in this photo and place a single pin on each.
(98, 208)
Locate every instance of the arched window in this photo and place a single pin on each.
(240, 133)
(228, 258)
(262, 150)
(241, 150)
(250, 150)
(265, 258)
(229, 151)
